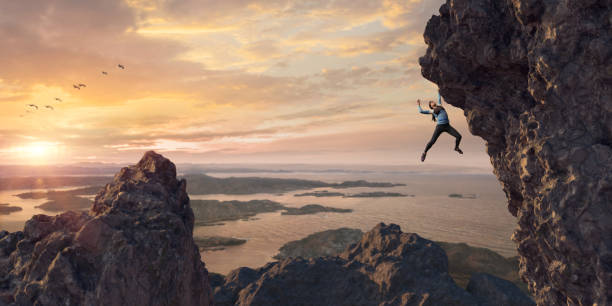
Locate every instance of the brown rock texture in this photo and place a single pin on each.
(385, 267)
(134, 247)
(534, 79)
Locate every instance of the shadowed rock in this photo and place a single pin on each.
(135, 247)
(386, 267)
(496, 291)
(534, 80)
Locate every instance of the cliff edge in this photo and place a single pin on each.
(134, 247)
(534, 80)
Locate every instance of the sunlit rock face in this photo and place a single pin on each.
(134, 247)
(534, 79)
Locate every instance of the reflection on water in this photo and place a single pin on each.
(482, 222)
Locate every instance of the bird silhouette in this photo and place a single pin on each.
(58, 100)
(33, 106)
(82, 85)
(49, 107)
(104, 73)
(76, 86)
(121, 66)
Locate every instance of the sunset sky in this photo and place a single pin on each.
(232, 81)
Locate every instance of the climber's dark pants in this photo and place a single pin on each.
(443, 128)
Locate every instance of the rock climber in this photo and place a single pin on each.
(438, 114)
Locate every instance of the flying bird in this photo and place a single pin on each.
(121, 66)
(49, 107)
(76, 86)
(82, 85)
(33, 106)
(58, 100)
(104, 73)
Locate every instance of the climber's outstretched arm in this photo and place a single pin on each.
(422, 111)
(439, 99)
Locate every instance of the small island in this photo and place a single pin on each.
(63, 200)
(91, 190)
(211, 212)
(320, 244)
(66, 203)
(313, 209)
(374, 194)
(216, 243)
(323, 193)
(463, 196)
(6, 209)
(377, 194)
(208, 212)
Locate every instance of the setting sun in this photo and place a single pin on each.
(36, 152)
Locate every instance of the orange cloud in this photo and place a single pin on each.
(215, 79)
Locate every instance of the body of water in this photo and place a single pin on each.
(482, 222)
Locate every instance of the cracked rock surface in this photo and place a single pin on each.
(534, 79)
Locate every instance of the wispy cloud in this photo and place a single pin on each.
(208, 77)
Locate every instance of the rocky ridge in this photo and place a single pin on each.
(135, 246)
(385, 267)
(534, 80)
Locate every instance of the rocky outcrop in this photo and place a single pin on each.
(134, 247)
(385, 267)
(494, 291)
(534, 80)
(320, 244)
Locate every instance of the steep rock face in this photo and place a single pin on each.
(135, 247)
(534, 79)
(386, 267)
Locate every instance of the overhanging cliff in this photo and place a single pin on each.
(534, 79)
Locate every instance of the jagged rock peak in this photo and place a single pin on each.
(386, 267)
(388, 241)
(135, 247)
(151, 184)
